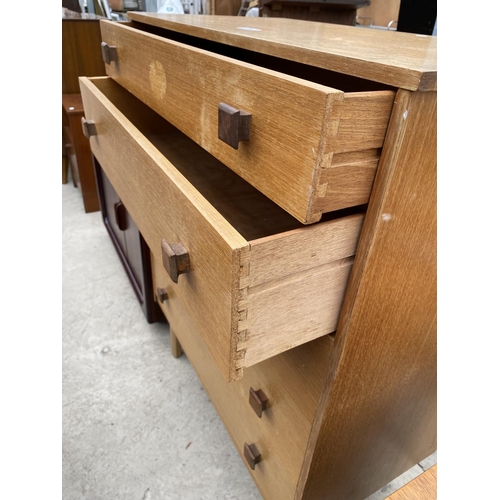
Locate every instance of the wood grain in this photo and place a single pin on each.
(377, 415)
(226, 7)
(164, 205)
(398, 59)
(175, 345)
(83, 168)
(282, 315)
(381, 12)
(348, 177)
(81, 52)
(321, 12)
(291, 381)
(423, 487)
(360, 122)
(297, 251)
(246, 297)
(289, 136)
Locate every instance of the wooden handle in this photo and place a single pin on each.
(234, 125)
(121, 216)
(175, 259)
(162, 294)
(88, 127)
(109, 53)
(258, 401)
(252, 455)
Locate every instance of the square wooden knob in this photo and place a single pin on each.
(258, 401)
(252, 455)
(88, 127)
(175, 259)
(162, 294)
(234, 125)
(109, 53)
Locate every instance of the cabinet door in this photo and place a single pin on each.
(134, 254)
(129, 244)
(112, 209)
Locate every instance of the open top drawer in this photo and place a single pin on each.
(307, 145)
(254, 280)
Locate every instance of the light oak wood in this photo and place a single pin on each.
(377, 414)
(297, 126)
(423, 487)
(346, 415)
(398, 59)
(245, 296)
(349, 175)
(175, 345)
(292, 382)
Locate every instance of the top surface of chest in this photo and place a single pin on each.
(403, 60)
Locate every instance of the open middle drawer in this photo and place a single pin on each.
(253, 279)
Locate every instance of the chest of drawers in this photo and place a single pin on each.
(283, 176)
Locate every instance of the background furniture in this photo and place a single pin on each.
(77, 151)
(129, 245)
(81, 56)
(251, 199)
(81, 50)
(380, 13)
(328, 11)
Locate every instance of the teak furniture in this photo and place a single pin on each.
(81, 56)
(283, 176)
(77, 151)
(326, 11)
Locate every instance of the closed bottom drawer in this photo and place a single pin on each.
(253, 279)
(291, 382)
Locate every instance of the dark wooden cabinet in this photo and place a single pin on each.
(129, 244)
(77, 151)
(81, 49)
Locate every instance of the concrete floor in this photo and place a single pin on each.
(137, 424)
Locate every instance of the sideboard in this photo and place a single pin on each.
(283, 175)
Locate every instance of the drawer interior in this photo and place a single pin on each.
(251, 213)
(340, 81)
(259, 283)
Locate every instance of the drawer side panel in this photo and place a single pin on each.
(161, 203)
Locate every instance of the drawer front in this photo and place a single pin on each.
(164, 206)
(296, 127)
(292, 383)
(250, 299)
